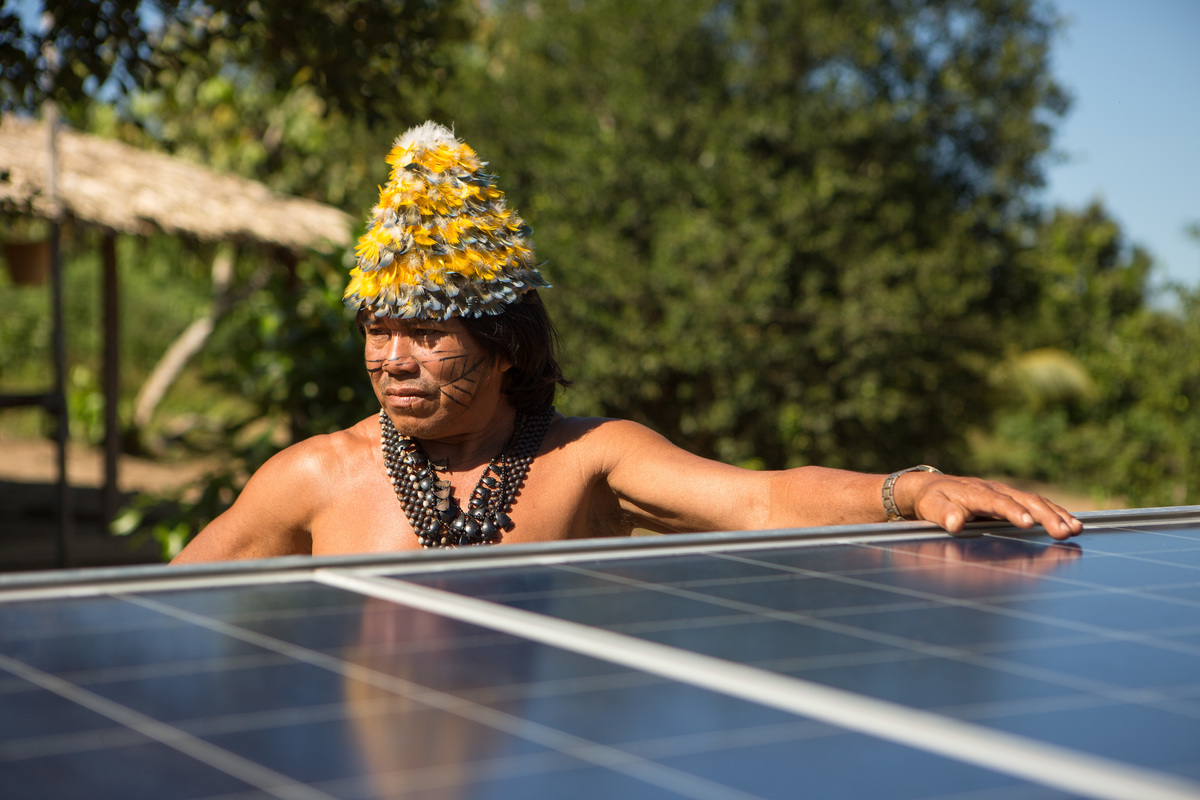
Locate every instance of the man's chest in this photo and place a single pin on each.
(555, 501)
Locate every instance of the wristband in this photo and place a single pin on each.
(889, 496)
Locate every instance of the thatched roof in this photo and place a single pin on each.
(111, 184)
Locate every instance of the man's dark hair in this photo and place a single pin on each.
(523, 335)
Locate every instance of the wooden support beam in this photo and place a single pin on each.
(112, 378)
(66, 512)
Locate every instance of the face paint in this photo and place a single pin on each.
(465, 374)
(429, 372)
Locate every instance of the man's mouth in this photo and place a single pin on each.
(404, 396)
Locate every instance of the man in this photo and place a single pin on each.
(467, 448)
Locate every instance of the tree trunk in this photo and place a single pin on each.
(193, 338)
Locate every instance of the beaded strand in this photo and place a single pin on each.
(435, 515)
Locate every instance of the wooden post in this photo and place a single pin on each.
(66, 514)
(112, 380)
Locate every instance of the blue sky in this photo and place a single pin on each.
(1132, 137)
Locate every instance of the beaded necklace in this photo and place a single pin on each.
(434, 513)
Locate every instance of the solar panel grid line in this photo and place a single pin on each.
(1156, 557)
(1117, 516)
(112, 580)
(109, 581)
(1067, 681)
(649, 547)
(824, 622)
(975, 603)
(1042, 763)
(138, 579)
(444, 776)
(1162, 532)
(172, 668)
(64, 744)
(1114, 693)
(665, 777)
(943, 599)
(253, 774)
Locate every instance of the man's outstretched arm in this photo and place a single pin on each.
(947, 500)
(667, 488)
(269, 518)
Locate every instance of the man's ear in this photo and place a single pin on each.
(503, 364)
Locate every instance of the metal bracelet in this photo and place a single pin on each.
(889, 495)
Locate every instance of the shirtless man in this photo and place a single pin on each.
(468, 450)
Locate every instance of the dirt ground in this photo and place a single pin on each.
(35, 461)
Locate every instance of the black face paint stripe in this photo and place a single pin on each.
(466, 376)
(465, 373)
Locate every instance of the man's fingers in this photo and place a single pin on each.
(953, 502)
(1057, 521)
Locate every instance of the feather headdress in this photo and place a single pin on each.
(441, 242)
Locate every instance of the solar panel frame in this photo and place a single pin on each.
(390, 579)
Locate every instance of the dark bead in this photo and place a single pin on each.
(449, 514)
(490, 482)
(471, 528)
(488, 529)
(459, 523)
(503, 521)
(426, 483)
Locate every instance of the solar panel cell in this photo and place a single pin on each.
(144, 771)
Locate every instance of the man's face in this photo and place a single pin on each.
(434, 380)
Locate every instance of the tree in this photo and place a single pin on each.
(1077, 281)
(1126, 427)
(362, 56)
(782, 230)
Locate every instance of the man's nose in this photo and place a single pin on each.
(398, 356)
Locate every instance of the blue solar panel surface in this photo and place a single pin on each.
(877, 664)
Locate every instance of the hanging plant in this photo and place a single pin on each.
(27, 251)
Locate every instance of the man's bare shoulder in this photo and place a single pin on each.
(600, 438)
(349, 449)
(275, 512)
(327, 456)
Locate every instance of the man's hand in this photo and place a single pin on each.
(952, 502)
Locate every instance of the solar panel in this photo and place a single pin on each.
(871, 661)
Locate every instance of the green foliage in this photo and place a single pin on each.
(292, 352)
(171, 519)
(1077, 281)
(234, 120)
(1131, 434)
(360, 56)
(164, 286)
(780, 232)
(84, 47)
(292, 355)
(777, 229)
